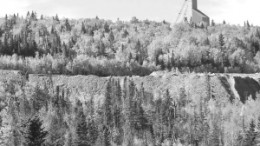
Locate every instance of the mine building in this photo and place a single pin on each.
(197, 16)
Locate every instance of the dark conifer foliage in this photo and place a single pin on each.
(221, 41)
(86, 131)
(36, 134)
(251, 134)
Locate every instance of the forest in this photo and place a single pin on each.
(46, 115)
(40, 44)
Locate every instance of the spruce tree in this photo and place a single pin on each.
(42, 17)
(257, 139)
(83, 28)
(106, 135)
(212, 23)
(36, 134)
(251, 135)
(128, 95)
(67, 25)
(82, 131)
(221, 41)
(125, 33)
(106, 28)
(57, 17)
(87, 132)
(221, 45)
(111, 37)
(108, 105)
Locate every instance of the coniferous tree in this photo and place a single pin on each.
(108, 105)
(82, 131)
(107, 135)
(125, 33)
(83, 28)
(35, 134)
(42, 17)
(86, 131)
(257, 138)
(111, 37)
(101, 49)
(251, 135)
(212, 23)
(56, 18)
(221, 41)
(128, 94)
(106, 28)
(221, 45)
(67, 25)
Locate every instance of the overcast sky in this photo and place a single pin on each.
(233, 11)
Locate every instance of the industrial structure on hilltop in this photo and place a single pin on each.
(190, 11)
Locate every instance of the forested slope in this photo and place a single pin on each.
(41, 44)
(159, 109)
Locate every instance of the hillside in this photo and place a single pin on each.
(226, 103)
(94, 82)
(41, 44)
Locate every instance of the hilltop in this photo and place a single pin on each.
(101, 47)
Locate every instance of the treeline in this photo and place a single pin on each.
(93, 46)
(44, 115)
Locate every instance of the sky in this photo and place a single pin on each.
(232, 11)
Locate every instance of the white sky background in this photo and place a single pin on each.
(232, 11)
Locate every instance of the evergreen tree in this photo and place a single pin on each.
(36, 134)
(221, 41)
(107, 138)
(56, 18)
(212, 23)
(106, 28)
(128, 94)
(82, 131)
(42, 17)
(251, 135)
(111, 37)
(101, 49)
(169, 64)
(257, 139)
(140, 121)
(125, 33)
(206, 42)
(86, 131)
(67, 25)
(83, 28)
(162, 63)
(108, 105)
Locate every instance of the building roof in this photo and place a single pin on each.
(200, 12)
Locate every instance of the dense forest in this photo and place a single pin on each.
(41, 44)
(47, 115)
